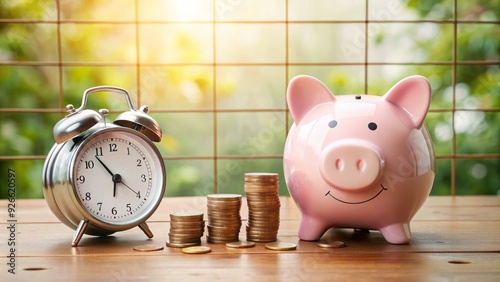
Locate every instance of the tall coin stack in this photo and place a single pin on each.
(186, 229)
(263, 201)
(224, 220)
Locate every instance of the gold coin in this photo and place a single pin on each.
(254, 222)
(261, 176)
(223, 232)
(185, 235)
(267, 214)
(262, 227)
(148, 248)
(187, 224)
(267, 190)
(331, 244)
(196, 250)
(185, 229)
(257, 234)
(273, 197)
(224, 206)
(186, 216)
(182, 245)
(261, 240)
(224, 196)
(178, 239)
(240, 244)
(174, 228)
(223, 215)
(260, 183)
(281, 246)
(221, 240)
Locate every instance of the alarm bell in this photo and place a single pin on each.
(79, 120)
(140, 120)
(74, 123)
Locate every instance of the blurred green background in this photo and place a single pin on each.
(215, 76)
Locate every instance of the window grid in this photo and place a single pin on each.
(60, 63)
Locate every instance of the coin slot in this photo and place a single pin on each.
(459, 261)
(34, 268)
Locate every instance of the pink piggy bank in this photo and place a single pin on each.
(359, 161)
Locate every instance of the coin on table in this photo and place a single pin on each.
(331, 244)
(240, 244)
(196, 250)
(148, 248)
(281, 246)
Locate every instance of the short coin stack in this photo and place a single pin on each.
(186, 229)
(263, 201)
(224, 220)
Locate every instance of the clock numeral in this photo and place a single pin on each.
(81, 178)
(143, 177)
(88, 196)
(100, 205)
(129, 208)
(128, 151)
(113, 147)
(138, 194)
(89, 164)
(139, 162)
(113, 211)
(98, 151)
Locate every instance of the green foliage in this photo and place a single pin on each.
(191, 89)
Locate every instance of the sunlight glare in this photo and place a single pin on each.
(187, 10)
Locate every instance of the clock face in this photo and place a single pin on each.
(118, 176)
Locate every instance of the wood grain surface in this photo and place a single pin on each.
(454, 239)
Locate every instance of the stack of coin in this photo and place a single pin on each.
(224, 220)
(186, 229)
(263, 201)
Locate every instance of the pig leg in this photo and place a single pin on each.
(311, 229)
(398, 233)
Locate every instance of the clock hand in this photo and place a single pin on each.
(107, 169)
(128, 187)
(116, 178)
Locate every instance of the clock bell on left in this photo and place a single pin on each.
(99, 177)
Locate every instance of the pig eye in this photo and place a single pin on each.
(372, 126)
(332, 124)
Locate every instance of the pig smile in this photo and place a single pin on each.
(356, 203)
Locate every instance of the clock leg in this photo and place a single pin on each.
(145, 228)
(79, 231)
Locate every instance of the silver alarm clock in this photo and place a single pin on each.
(99, 177)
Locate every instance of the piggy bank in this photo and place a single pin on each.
(358, 161)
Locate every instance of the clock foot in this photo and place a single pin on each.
(79, 232)
(145, 228)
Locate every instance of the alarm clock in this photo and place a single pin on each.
(99, 177)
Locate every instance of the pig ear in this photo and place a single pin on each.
(304, 93)
(413, 95)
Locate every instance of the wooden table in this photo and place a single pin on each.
(454, 239)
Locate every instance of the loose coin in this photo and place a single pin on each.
(281, 246)
(196, 250)
(330, 244)
(240, 244)
(148, 248)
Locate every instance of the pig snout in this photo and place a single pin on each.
(351, 165)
